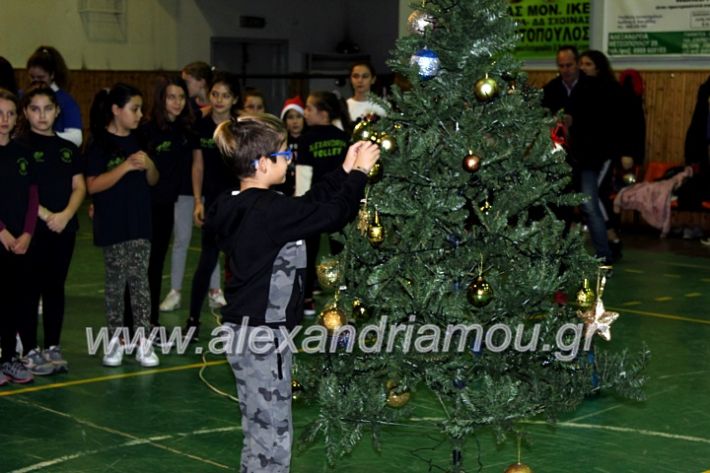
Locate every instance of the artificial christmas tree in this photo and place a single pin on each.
(439, 246)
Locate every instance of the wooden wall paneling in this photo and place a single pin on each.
(669, 101)
(84, 85)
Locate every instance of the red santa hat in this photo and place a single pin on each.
(294, 103)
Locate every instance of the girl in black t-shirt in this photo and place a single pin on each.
(210, 177)
(119, 175)
(60, 179)
(18, 216)
(170, 142)
(322, 149)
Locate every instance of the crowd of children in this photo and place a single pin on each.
(149, 181)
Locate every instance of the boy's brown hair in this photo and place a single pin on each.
(242, 141)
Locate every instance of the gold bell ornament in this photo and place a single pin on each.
(375, 231)
(585, 296)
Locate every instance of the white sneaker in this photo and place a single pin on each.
(705, 241)
(114, 356)
(171, 301)
(216, 299)
(145, 355)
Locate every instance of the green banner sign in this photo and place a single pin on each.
(657, 27)
(545, 25)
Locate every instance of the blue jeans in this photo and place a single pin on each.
(595, 218)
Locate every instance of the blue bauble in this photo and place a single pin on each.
(428, 63)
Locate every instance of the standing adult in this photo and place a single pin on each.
(590, 128)
(594, 63)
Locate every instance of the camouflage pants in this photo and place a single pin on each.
(264, 390)
(127, 263)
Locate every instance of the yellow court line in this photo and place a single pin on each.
(635, 271)
(111, 377)
(624, 310)
(675, 276)
(693, 294)
(663, 299)
(630, 303)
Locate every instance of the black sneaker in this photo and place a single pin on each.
(192, 323)
(616, 247)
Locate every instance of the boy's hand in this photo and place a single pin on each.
(7, 239)
(352, 155)
(367, 156)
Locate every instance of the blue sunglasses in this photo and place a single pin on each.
(288, 154)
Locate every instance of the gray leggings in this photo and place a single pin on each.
(181, 243)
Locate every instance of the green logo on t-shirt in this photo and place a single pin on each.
(66, 155)
(163, 147)
(38, 156)
(327, 148)
(114, 163)
(206, 143)
(22, 166)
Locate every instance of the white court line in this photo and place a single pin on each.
(677, 375)
(133, 440)
(616, 406)
(626, 430)
(610, 428)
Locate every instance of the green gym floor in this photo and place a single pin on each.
(129, 419)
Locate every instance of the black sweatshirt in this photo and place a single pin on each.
(262, 233)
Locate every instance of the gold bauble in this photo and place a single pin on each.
(360, 312)
(485, 89)
(363, 131)
(332, 318)
(375, 231)
(518, 468)
(296, 389)
(398, 399)
(585, 296)
(328, 273)
(387, 143)
(629, 178)
(471, 162)
(479, 292)
(486, 208)
(375, 173)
